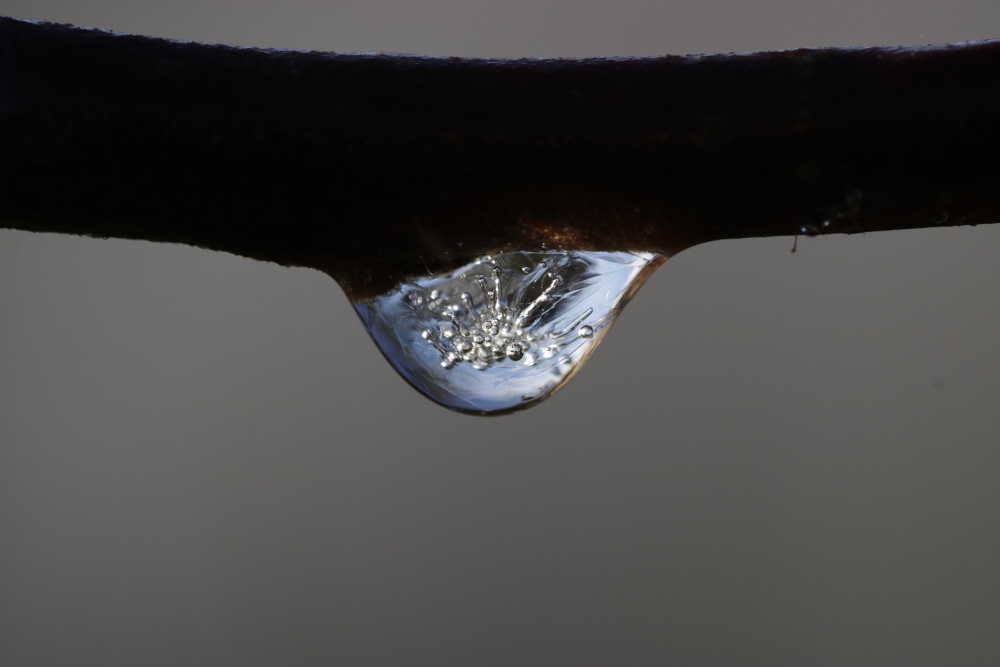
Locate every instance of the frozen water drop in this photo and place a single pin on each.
(467, 347)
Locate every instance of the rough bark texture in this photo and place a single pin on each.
(373, 167)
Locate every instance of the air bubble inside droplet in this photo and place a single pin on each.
(515, 351)
(476, 343)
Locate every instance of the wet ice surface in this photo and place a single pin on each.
(506, 331)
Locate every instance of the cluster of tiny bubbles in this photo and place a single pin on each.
(498, 324)
(506, 330)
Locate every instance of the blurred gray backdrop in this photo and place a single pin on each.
(774, 459)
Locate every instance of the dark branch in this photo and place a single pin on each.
(373, 167)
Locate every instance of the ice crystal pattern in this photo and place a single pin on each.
(507, 330)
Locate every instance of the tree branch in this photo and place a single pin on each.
(372, 167)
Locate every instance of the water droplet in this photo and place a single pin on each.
(498, 351)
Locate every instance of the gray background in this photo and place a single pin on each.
(774, 459)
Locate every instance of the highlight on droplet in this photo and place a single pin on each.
(507, 330)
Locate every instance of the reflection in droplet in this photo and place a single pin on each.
(503, 333)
